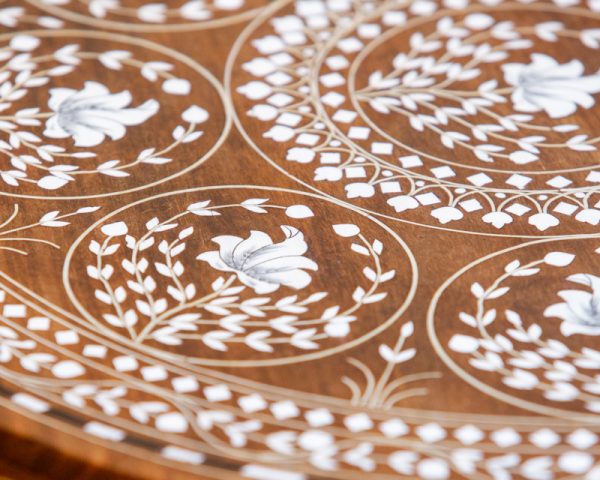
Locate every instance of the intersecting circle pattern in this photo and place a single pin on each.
(463, 124)
(425, 305)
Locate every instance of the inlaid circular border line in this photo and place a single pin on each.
(31, 300)
(257, 363)
(147, 44)
(505, 7)
(478, 384)
(227, 82)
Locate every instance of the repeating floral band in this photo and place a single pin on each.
(450, 114)
(161, 314)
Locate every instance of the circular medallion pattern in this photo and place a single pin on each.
(70, 110)
(111, 375)
(251, 331)
(522, 325)
(472, 121)
(144, 16)
(188, 283)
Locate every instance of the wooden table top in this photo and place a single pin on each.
(300, 240)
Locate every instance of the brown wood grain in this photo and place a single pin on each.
(436, 263)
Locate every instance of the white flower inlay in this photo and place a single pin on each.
(91, 114)
(546, 85)
(580, 312)
(261, 264)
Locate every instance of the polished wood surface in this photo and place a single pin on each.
(299, 240)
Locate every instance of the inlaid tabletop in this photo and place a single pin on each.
(300, 240)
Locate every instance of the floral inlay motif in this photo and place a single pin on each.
(262, 265)
(580, 311)
(93, 113)
(544, 84)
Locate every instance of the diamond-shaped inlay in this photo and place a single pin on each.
(319, 417)
(252, 403)
(358, 422)
(468, 434)
(506, 437)
(582, 439)
(544, 438)
(394, 428)
(431, 432)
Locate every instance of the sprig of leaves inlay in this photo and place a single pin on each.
(422, 87)
(13, 16)
(208, 416)
(488, 98)
(87, 116)
(156, 12)
(385, 391)
(523, 356)
(53, 219)
(172, 311)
